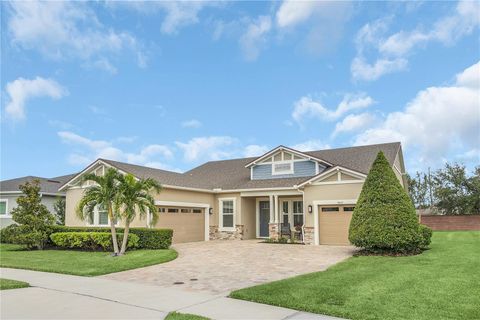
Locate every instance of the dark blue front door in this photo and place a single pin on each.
(264, 217)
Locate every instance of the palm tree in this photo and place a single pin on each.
(101, 194)
(133, 196)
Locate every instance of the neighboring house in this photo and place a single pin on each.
(314, 192)
(10, 191)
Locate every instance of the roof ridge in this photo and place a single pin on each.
(138, 165)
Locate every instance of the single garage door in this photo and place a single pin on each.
(188, 224)
(334, 222)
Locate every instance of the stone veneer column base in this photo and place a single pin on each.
(216, 234)
(273, 231)
(309, 236)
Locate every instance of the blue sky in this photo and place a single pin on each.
(172, 85)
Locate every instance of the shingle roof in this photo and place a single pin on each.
(358, 158)
(47, 185)
(232, 174)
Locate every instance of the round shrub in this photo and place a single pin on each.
(90, 240)
(9, 233)
(425, 236)
(384, 218)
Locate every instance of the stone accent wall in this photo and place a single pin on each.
(216, 234)
(465, 222)
(309, 236)
(273, 231)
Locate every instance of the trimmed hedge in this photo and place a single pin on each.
(90, 240)
(384, 219)
(148, 238)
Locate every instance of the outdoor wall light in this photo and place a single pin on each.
(310, 208)
(210, 211)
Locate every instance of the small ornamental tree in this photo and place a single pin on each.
(59, 208)
(33, 217)
(384, 218)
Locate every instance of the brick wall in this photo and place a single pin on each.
(467, 222)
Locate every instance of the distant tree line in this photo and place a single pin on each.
(450, 190)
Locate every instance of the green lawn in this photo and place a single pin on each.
(441, 283)
(183, 316)
(6, 284)
(80, 262)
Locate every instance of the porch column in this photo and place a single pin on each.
(275, 197)
(272, 219)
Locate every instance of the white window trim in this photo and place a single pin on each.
(298, 213)
(220, 214)
(7, 215)
(275, 173)
(96, 219)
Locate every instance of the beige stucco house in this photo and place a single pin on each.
(311, 194)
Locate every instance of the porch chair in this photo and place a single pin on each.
(285, 230)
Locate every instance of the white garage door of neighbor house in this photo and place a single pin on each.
(188, 224)
(334, 222)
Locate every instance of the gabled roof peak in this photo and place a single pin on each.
(284, 148)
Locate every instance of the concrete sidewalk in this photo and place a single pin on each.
(58, 296)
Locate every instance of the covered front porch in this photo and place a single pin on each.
(273, 214)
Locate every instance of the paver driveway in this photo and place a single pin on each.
(222, 266)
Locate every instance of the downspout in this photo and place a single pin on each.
(304, 218)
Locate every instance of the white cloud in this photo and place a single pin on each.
(438, 121)
(104, 64)
(362, 70)
(87, 150)
(62, 29)
(311, 145)
(306, 107)
(193, 123)
(207, 148)
(322, 22)
(255, 150)
(254, 38)
(178, 14)
(393, 50)
(292, 12)
(353, 122)
(21, 90)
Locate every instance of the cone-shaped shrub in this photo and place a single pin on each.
(384, 218)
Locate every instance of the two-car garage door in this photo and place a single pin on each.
(333, 224)
(188, 224)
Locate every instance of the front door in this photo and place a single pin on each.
(264, 217)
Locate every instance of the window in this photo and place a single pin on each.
(185, 210)
(282, 168)
(348, 208)
(227, 214)
(162, 210)
(330, 209)
(285, 211)
(102, 216)
(172, 210)
(99, 217)
(297, 213)
(197, 210)
(3, 207)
